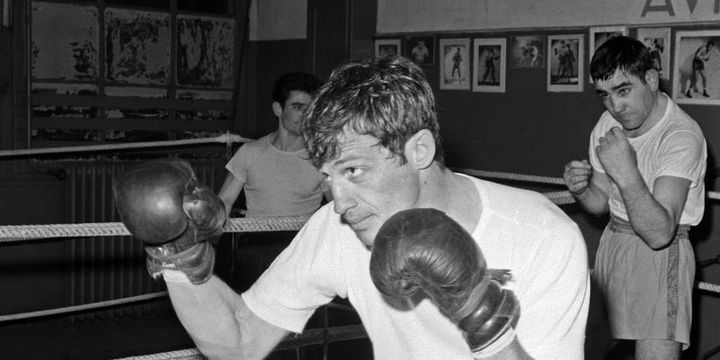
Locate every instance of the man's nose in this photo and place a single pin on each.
(341, 197)
(616, 105)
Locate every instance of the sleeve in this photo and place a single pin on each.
(241, 161)
(305, 276)
(597, 132)
(683, 154)
(557, 291)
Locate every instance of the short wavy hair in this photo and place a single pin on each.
(623, 53)
(299, 81)
(387, 98)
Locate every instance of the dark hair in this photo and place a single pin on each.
(621, 53)
(299, 81)
(387, 98)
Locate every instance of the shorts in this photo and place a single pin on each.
(698, 64)
(648, 293)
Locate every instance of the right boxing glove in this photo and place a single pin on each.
(424, 249)
(161, 204)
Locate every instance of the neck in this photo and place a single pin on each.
(285, 141)
(457, 196)
(656, 114)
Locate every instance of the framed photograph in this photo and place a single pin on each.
(420, 49)
(527, 51)
(489, 65)
(455, 64)
(387, 47)
(599, 35)
(658, 41)
(696, 71)
(565, 54)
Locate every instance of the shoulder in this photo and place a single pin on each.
(681, 127)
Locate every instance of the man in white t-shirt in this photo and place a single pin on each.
(647, 168)
(276, 177)
(372, 130)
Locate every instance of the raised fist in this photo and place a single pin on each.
(424, 249)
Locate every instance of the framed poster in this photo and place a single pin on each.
(387, 47)
(566, 61)
(696, 71)
(420, 49)
(658, 41)
(527, 51)
(599, 35)
(455, 64)
(489, 65)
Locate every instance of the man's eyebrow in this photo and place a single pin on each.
(614, 88)
(621, 85)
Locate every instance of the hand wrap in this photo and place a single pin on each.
(424, 249)
(162, 204)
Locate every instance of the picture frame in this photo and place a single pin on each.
(420, 49)
(386, 47)
(601, 34)
(489, 56)
(527, 51)
(658, 41)
(696, 72)
(454, 64)
(565, 62)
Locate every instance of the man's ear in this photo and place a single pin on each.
(652, 78)
(420, 149)
(277, 108)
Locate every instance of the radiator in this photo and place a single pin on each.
(106, 268)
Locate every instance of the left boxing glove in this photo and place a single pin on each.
(424, 249)
(162, 204)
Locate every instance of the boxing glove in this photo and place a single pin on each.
(162, 204)
(425, 250)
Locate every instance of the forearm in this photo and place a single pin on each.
(513, 351)
(650, 220)
(593, 200)
(219, 322)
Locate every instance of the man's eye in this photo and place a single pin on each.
(624, 91)
(352, 171)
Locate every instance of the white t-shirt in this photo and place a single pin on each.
(277, 183)
(518, 230)
(675, 146)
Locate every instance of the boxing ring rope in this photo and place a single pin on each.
(23, 233)
(226, 138)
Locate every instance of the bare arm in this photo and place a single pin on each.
(230, 191)
(654, 216)
(589, 188)
(219, 322)
(514, 351)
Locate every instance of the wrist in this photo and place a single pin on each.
(196, 262)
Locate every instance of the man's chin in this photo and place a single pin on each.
(366, 236)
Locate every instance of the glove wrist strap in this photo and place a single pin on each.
(197, 261)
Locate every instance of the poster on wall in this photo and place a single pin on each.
(565, 63)
(420, 49)
(658, 41)
(205, 51)
(697, 67)
(387, 47)
(527, 51)
(601, 34)
(489, 66)
(455, 64)
(64, 41)
(137, 46)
